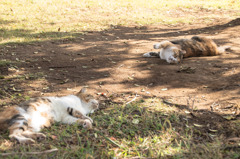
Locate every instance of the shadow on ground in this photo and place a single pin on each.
(111, 61)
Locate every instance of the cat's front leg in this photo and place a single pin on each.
(86, 123)
(75, 113)
(151, 54)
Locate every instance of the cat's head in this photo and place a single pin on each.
(177, 56)
(88, 99)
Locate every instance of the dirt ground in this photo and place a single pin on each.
(110, 62)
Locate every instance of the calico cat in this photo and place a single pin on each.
(175, 50)
(26, 120)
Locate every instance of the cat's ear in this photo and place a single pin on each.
(83, 90)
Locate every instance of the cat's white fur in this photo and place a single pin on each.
(56, 110)
(165, 53)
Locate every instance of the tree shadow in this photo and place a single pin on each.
(210, 29)
(106, 62)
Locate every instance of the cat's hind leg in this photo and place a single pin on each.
(163, 44)
(16, 132)
(34, 135)
(21, 139)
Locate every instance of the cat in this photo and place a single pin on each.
(175, 50)
(25, 121)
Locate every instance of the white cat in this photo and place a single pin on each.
(26, 120)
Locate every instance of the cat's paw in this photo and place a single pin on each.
(172, 60)
(87, 124)
(147, 54)
(27, 141)
(40, 136)
(156, 46)
(151, 54)
(87, 117)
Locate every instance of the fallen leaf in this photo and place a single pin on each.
(130, 78)
(135, 121)
(187, 112)
(213, 130)
(197, 125)
(112, 138)
(54, 137)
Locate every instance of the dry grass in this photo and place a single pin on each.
(33, 20)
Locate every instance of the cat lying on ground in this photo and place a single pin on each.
(175, 50)
(26, 120)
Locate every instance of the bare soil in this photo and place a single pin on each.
(110, 63)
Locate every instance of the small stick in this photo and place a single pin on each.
(29, 153)
(132, 99)
(62, 66)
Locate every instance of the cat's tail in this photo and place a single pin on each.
(151, 54)
(222, 49)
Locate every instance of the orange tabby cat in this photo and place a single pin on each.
(175, 50)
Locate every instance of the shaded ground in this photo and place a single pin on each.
(111, 63)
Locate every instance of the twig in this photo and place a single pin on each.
(188, 103)
(192, 106)
(29, 153)
(62, 66)
(132, 99)
(120, 66)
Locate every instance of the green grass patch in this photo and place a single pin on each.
(147, 128)
(5, 63)
(33, 20)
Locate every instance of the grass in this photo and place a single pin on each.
(147, 129)
(5, 63)
(33, 20)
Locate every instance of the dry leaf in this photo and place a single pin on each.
(164, 89)
(213, 130)
(54, 137)
(135, 121)
(197, 125)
